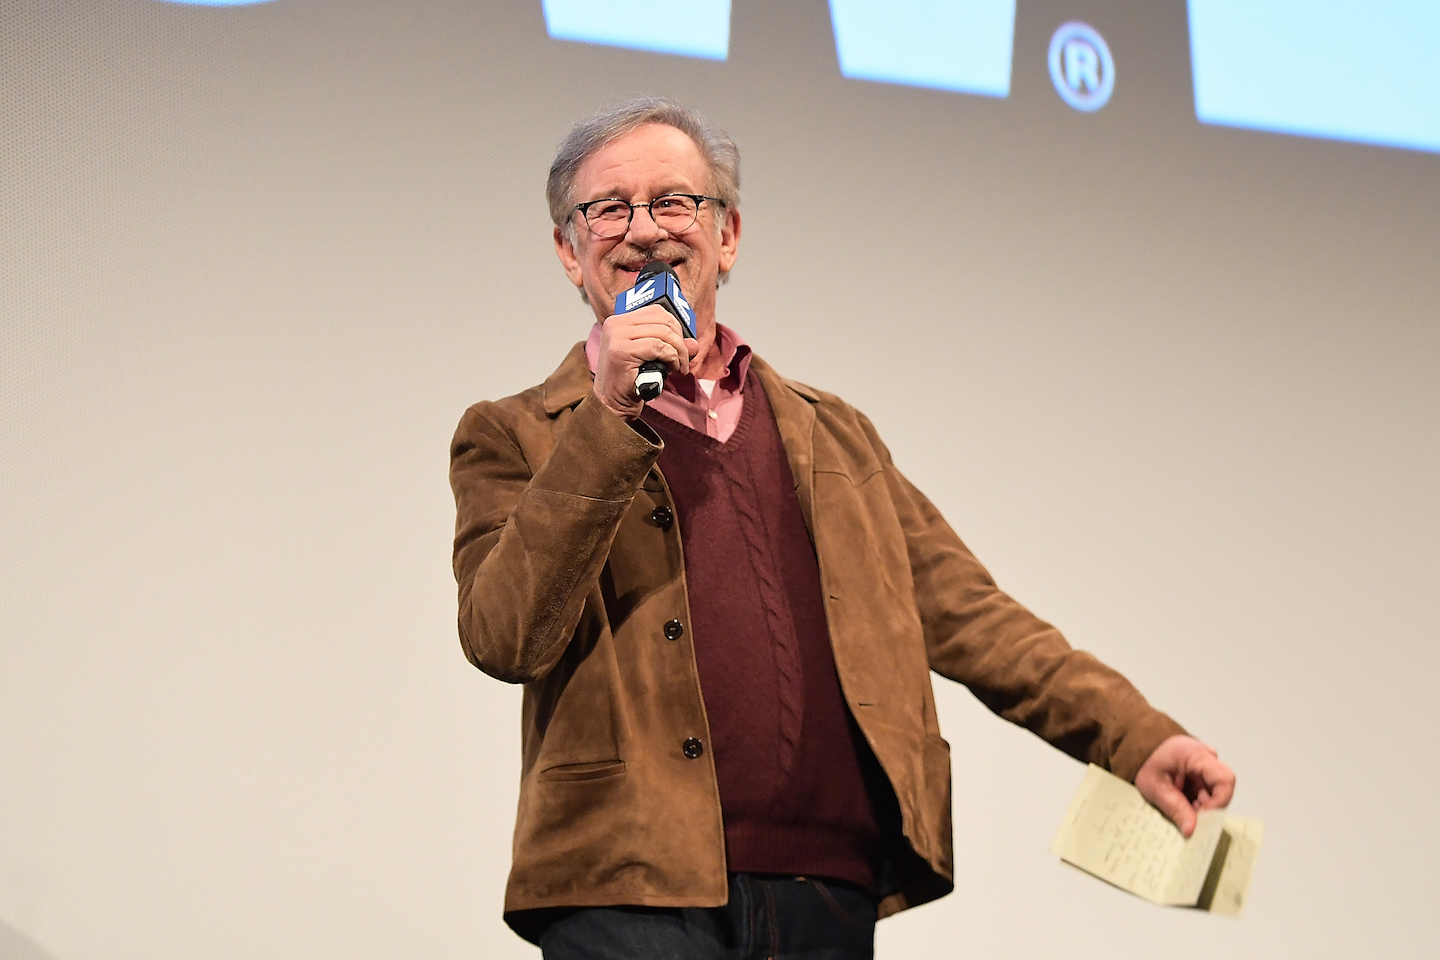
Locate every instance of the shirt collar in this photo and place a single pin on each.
(733, 349)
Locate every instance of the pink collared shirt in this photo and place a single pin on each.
(685, 401)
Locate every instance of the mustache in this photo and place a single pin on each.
(630, 257)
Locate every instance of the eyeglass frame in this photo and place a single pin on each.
(699, 199)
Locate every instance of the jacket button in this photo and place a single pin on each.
(674, 630)
(662, 517)
(693, 748)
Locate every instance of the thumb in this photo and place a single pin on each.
(1172, 802)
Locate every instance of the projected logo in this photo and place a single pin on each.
(962, 45)
(692, 28)
(1364, 72)
(1081, 66)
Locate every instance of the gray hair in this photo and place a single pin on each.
(588, 136)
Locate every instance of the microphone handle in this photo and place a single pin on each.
(650, 380)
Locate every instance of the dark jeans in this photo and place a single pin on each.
(785, 918)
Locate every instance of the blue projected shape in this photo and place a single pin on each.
(690, 28)
(962, 45)
(1081, 66)
(1362, 70)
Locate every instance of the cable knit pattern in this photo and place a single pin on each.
(788, 757)
(784, 645)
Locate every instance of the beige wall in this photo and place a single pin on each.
(1177, 385)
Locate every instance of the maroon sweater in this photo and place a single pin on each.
(787, 753)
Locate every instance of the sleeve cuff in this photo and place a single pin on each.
(599, 455)
(1140, 741)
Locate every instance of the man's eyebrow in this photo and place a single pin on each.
(616, 193)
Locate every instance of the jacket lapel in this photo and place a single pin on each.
(794, 415)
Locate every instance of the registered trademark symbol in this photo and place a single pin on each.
(1081, 66)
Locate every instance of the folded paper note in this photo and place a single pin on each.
(1110, 831)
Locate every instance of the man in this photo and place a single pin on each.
(724, 608)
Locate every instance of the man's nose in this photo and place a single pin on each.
(643, 229)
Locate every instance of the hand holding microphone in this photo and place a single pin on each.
(639, 331)
(657, 284)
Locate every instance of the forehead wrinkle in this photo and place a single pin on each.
(625, 187)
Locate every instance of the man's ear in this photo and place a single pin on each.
(565, 250)
(729, 239)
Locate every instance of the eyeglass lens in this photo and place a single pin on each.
(611, 218)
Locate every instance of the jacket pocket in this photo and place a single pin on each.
(597, 770)
(857, 474)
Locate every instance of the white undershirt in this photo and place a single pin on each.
(707, 385)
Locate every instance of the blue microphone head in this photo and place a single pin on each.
(657, 283)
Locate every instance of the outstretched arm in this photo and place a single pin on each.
(1022, 668)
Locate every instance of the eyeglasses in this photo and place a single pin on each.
(610, 217)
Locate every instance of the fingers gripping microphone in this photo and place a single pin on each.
(656, 283)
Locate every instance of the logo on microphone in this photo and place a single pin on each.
(1081, 66)
(640, 294)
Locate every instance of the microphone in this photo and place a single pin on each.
(656, 283)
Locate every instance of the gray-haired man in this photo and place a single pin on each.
(724, 607)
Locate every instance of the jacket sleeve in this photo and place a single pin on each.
(1015, 663)
(528, 546)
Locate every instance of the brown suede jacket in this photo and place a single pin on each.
(569, 574)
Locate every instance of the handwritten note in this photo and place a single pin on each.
(1228, 882)
(1110, 831)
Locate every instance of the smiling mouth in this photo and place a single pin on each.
(634, 269)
